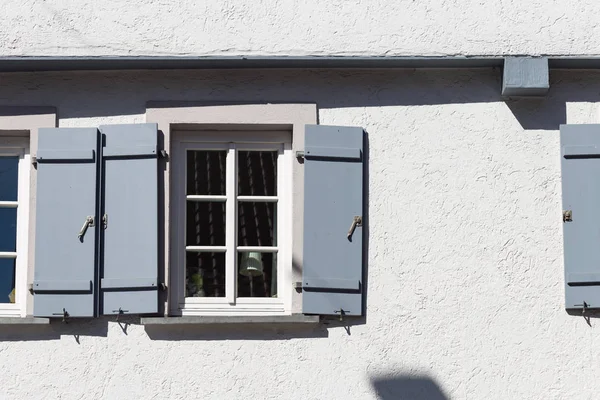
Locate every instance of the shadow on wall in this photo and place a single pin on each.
(98, 94)
(113, 93)
(97, 327)
(90, 94)
(590, 317)
(407, 387)
(538, 112)
(550, 111)
(229, 332)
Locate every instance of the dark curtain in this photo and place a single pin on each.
(206, 220)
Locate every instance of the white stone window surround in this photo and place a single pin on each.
(18, 147)
(18, 136)
(177, 116)
(232, 143)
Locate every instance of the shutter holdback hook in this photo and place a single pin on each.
(64, 314)
(342, 313)
(120, 312)
(585, 308)
(585, 312)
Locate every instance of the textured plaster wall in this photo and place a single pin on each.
(298, 27)
(465, 280)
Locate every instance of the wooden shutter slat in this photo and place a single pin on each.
(333, 199)
(66, 197)
(130, 185)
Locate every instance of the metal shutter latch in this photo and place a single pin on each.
(89, 222)
(357, 221)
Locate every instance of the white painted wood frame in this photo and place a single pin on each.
(229, 304)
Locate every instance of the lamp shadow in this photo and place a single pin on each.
(407, 387)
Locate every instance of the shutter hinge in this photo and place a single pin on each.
(567, 216)
(163, 154)
(300, 156)
(34, 161)
(105, 221)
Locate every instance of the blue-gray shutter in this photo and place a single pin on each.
(65, 265)
(580, 164)
(332, 278)
(129, 283)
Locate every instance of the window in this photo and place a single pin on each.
(192, 122)
(231, 206)
(14, 200)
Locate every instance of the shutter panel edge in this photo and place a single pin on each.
(580, 186)
(129, 281)
(333, 240)
(66, 196)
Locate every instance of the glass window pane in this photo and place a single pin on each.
(7, 280)
(257, 173)
(9, 174)
(257, 274)
(8, 229)
(205, 274)
(256, 224)
(205, 223)
(206, 172)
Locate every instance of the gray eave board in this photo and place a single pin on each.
(78, 63)
(20, 64)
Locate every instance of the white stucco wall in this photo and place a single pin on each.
(465, 280)
(298, 27)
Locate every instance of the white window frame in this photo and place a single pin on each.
(232, 142)
(18, 146)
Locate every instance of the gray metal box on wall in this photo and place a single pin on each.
(580, 165)
(525, 76)
(333, 221)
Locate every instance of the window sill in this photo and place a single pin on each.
(293, 319)
(24, 321)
